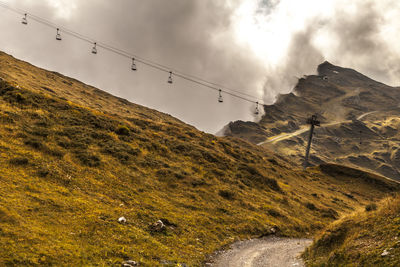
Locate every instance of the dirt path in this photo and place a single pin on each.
(298, 132)
(306, 128)
(271, 252)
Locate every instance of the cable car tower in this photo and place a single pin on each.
(313, 122)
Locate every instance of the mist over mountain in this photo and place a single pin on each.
(257, 47)
(359, 118)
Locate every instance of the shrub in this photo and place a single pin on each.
(227, 194)
(43, 172)
(34, 143)
(123, 130)
(39, 131)
(274, 213)
(88, 159)
(119, 150)
(329, 213)
(19, 161)
(371, 207)
(311, 206)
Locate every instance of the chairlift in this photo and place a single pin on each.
(170, 77)
(257, 111)
(134, 64)
(24, 19)
(94, 49)
(58, 36)
(220, 99)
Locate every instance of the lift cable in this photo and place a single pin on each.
(191, 78)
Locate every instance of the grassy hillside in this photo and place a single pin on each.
(74, 159)
(369, 237)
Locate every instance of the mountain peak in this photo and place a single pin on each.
(326, 67)
(358, 116)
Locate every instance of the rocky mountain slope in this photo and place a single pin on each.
(87, 179)
(359, 121)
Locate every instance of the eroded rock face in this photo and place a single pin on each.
(359, 121)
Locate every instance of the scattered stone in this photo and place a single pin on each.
(158, 226)
(130, 263)
(274, 229)
(122, 220)
(385, 253)
(168, 223)
(165, 262)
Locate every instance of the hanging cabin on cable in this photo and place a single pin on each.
(133, 65)
(220, 99)
(94, 49)
(170, 77)
(24, 19)
(58, 35)
(257, 111)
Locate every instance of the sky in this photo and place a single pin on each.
(258, 47)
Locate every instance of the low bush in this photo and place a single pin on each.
(370, 207)
(19, 161)
(119, 150)
(274, 213)
(311, 206)
(88, 159)
(227, 194)
(123, 130)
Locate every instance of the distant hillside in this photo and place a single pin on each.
(359, 117)
(74, 160)
(370, 237)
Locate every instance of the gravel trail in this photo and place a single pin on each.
(265, 252)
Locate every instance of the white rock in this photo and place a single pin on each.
(385, 253)
(130, 263)
(160, 224)
(122, 220)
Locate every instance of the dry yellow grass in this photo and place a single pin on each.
(369, 237)
(74, 159)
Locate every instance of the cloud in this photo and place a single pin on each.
(358, 34)
(254, 46)
(195, 37)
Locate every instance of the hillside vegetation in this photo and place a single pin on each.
(74, 159)
(369, 237)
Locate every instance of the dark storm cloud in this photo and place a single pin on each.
(198, 37)
(195, 37)
(354, 39)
